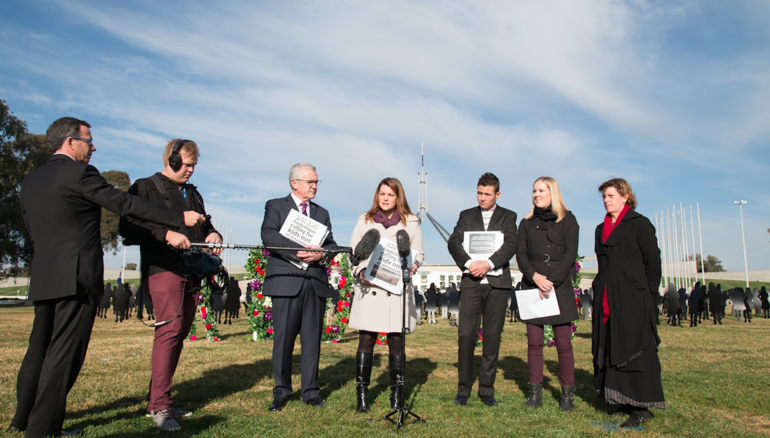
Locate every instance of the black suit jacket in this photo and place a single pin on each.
(470, 220)
(282, 278)
(61, 203)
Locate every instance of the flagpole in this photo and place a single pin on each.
(702, 254)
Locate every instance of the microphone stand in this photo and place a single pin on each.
(403, 411)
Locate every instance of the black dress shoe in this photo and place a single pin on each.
(73, 432)
(278, 404)
(316, 402)
(637, 418)
(461, 400)
(488, 400)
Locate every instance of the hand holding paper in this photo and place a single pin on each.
(532, 306)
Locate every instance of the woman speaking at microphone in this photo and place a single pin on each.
(375, 310)
(548, 243)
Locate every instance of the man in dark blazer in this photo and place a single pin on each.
(299, 296)
(61, 203)
(483, 296)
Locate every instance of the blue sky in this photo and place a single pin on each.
(674, 96)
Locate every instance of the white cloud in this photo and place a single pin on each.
(579, 91)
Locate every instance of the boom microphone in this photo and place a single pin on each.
(365, 247)
(402, 243)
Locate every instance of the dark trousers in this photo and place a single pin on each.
(165, 291)
(562, 334)
(485, 302)
(57, 348)
(298, 315)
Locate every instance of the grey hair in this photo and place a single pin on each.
(294, 171)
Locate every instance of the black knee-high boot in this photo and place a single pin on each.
(396, 375)
(363, 378)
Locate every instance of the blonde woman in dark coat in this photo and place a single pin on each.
(375, 310)
(548, 244)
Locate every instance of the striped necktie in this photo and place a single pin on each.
(304, 207)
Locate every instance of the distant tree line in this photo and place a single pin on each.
(710, 263)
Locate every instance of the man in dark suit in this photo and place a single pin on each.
(299, 295)
(483, 296)
(61, 203)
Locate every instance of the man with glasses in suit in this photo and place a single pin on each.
(61, 203)
(298, 295)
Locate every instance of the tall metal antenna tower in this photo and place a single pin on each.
(422, 198)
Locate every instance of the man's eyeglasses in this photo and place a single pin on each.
(87, 140)
(311, 182)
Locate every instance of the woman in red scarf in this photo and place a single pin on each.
(625, 336)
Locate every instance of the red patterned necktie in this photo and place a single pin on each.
(304, 207)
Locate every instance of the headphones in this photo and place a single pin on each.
(175, 160)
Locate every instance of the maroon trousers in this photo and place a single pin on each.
(165, 291)
(563, 336)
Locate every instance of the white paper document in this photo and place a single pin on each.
(384, 268)
(531, 306)
(304, 231)
(480, 245)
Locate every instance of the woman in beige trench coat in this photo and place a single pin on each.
(374, 309)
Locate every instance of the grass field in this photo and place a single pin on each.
(715, 380)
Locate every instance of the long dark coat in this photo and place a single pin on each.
(626, 364)
(693, 301)
(715, 299)
(763, 297)
(672, 300)
(538, 237)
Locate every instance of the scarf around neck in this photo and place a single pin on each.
(608, 227)
(606, 231)
(385, 221)
(545, 214)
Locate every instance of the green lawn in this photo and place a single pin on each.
(714, 377)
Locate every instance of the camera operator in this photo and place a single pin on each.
(174, 296)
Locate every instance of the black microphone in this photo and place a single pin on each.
(402, 243)
(365, 247)
(404, 248)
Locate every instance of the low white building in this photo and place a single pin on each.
(440, 275)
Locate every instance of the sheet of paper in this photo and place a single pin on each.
(384, 268)
(304, 231)
(531, 306)
(480, 245)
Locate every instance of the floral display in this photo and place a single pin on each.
(549, 339)
(206, 317)
(260, 310)
(338, 315)
(480, 336)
